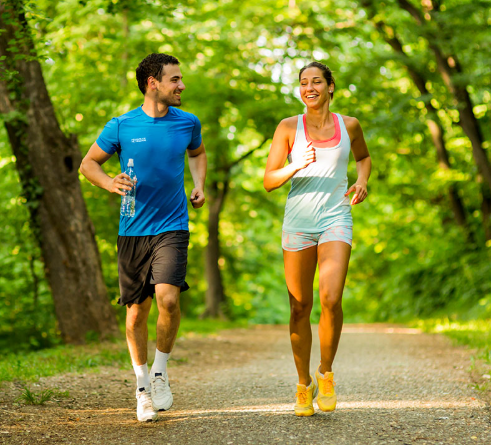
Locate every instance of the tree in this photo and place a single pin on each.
(429, 24)
(435, 126)
(47, 162)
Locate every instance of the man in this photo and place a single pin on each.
(152, 245)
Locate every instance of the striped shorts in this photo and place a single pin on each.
(299, 240)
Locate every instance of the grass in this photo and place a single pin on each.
(475, 333)
(31, 366)
(30, 398)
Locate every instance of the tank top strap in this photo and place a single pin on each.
(299, 134)
(342, 128)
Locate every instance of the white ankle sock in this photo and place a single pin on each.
(142, 377)
(160, 362)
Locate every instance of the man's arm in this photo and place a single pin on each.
(197, 166)
(92, 170)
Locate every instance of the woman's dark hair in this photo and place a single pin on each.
(153, 66)
(326, 72)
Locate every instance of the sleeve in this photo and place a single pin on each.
(196, 137)
(108, 140)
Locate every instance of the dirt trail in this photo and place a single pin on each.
(395, 386)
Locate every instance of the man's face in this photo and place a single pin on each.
(169, 89)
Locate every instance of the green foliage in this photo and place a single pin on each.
(31, 398)
(240, 62)
(31, 366)
(476, 334)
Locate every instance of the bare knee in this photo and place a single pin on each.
(331, 301)
(136, 319)
(300, 310)
(168, 303)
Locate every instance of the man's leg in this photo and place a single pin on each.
(167, 297)
(137, 330)
(137, 338)
(169, 316)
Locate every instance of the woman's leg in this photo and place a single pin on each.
(300, 269)
(333, 267)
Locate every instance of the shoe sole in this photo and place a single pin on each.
(326, 408)
(305, 414)
(163, 409)
(150, 419)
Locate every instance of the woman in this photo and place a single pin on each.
(317, 228)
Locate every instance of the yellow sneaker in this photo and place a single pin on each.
(305, 398)
(326, 401)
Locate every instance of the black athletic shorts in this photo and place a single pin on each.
(144, 261)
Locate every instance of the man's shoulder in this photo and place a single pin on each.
(133, 114)
(183, 114)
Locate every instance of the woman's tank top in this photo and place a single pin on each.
(316, 200)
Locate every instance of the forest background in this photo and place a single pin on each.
(415, 73)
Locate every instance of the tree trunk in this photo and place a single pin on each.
(433, 121)
(461, 96)
(216, 193)
(215, 295)
(124, 56)
(47, 162)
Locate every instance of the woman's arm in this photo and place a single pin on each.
(277, 173)
(362, 158)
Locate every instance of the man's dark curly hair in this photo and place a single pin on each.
(153, 66)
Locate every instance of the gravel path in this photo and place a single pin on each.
(394, 385)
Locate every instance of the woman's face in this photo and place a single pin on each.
(314, 90)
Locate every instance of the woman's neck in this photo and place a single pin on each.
(319, 118)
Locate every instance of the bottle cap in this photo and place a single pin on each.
(130, 163)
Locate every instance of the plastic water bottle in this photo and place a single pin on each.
(128, 200)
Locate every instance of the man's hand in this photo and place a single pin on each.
(119, 184)
(197, 198)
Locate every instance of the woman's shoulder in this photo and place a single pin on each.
(352, 123)
(289, 123)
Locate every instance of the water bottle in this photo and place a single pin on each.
(128, 200)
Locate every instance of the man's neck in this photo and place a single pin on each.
(153, 108)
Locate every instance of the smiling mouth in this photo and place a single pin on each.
(312, 96)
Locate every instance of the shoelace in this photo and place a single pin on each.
(326, 386)
(302, 397)
(146, 401)
(159, 385)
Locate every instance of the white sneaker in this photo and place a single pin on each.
(144, 409)
(161, 395)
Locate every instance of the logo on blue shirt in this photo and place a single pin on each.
(139, 140)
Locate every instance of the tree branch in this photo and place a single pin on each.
(228, 167)
(415, 12)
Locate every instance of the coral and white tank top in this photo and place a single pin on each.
(316, 200)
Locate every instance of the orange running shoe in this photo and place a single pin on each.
(326, 400)
(305, 399)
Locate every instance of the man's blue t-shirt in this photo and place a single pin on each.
(157, 146)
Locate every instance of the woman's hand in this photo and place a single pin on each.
(360, 189)
(307, 157)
